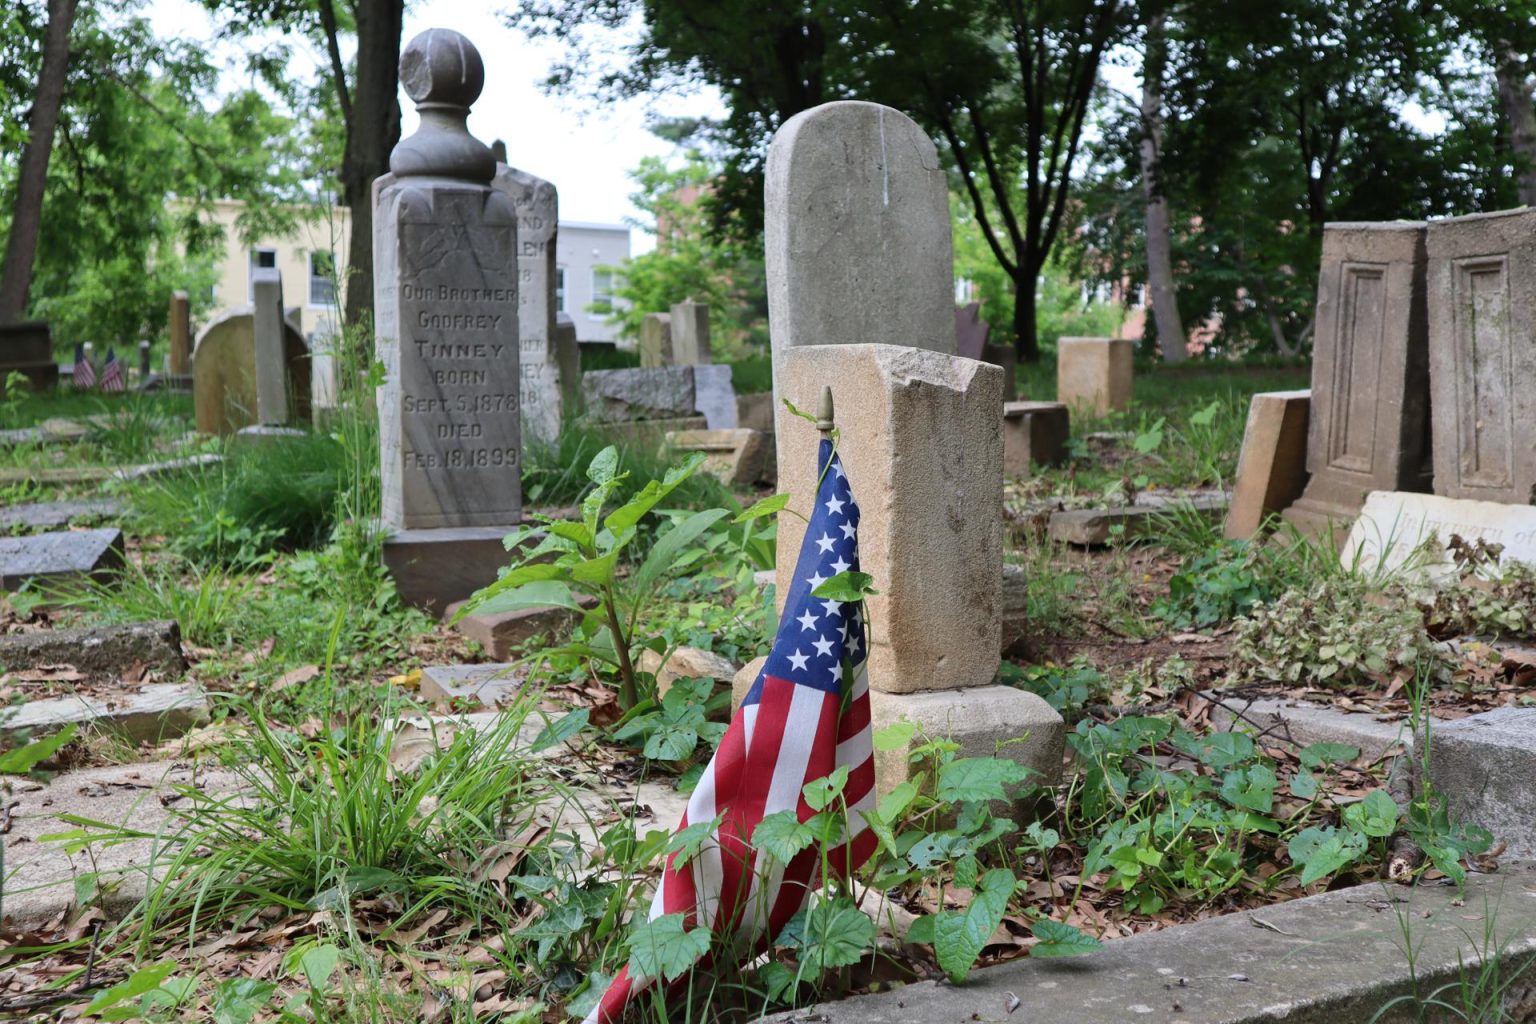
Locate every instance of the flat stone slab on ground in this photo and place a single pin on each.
(56, 558)
(103, 652)
(1326, 959)
(492, 686)
(1304, 723)
(1394, 525)
(1091, 527)
(47, 515)
(1485, 765)
(156, 712)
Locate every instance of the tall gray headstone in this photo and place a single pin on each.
(271, 371)
(538, 213)
(446, 306)
(656, 340)
(856, 232)
(690, 333)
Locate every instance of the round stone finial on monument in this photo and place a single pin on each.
(442, 72)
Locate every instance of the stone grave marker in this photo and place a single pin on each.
(738, 458)
(59, 559)
(1369, 419)
(271, 369)
(1094, 374)
(224, 383)
(568, 356)
(26, 347)
(1034, 433)
(690, 333)
(1396, 530)
(1272, 467)
(144, 366)
(47, 515)
(446, 303)
(656, 340)
(181, 334)
(1482, 355)
(541, 391)
(661, 393)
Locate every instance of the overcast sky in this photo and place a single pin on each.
(586, 151)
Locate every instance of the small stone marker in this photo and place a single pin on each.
(1094, 374)
(568, 355)
(1397, 530)
(271, 375)
(1369, 419)
(755, 412)
(224, 382)
(59, 559)
(713, 395)
(1272, 469)
(686, 663)
(1034, 433)
(1482, 355)
(538, 216)
(501, 634)
(737, 458)
(656, 340)
(154, 713)
(488, 685)
(181, 334)
(47, 515)
(857, 233)
(661, 392)
(26, 347)
(690, 333)
(446, 303)
(1092, 527)
(923, 451)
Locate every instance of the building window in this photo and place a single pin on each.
(260, 258)
(322, 278)
(602, 289)
(559, 289)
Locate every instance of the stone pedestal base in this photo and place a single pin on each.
(434, 568)
(1034, 433)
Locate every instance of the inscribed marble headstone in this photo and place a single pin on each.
(537, 206)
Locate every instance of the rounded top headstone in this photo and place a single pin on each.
(442, 66)
(442, 72)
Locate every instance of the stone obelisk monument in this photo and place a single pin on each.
(445, 304)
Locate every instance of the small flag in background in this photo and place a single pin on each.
(805, 716)
(112, 373)
(85, 373)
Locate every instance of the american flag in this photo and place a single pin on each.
(85, 373)
(806, 715)
(112, 373)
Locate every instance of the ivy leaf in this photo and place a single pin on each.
(979, 778)
(662, 948)
(782, 835)
(894, 736)
(821, 792)
(960, 935)
(1304, 785)
(830, 934)
(1252, 788)
(767, 507)
(1058, 939)
(670, 743)
(1318, 755)
(1376, 815)
(1324, 851)
(846, 587)
(686, 842)
(1217, 750)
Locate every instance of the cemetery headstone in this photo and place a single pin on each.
(1397, 530)
(1369, 419)
(144, 368)
(1482, 355)
(224, 384)
(271, 369)
(446, 304)
(568, 356)
(714, 396)
(656, 340)
(181, 334)
(739, 457)
(659, 393)
(1094, 374)
(690, 333)
(59, 559)
(538, 211)
(26, 347)
(1034, 433)
(1272, 467)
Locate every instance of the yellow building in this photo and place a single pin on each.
(309, 258)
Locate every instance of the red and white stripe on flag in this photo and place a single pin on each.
(806, 715)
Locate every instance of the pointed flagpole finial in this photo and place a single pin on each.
(824, 422)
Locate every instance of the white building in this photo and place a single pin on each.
(313, 258)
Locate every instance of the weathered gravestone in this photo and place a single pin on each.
(1034, 434)
(271, 366)
(542, 387)
(568, 356)
(858, 252)
(59, 559)
(690, 333)
(1272, 467)
(26, 347)
(224, 374)
(1094, 374)
(1369, 419)
(971, 333)
(1402, 531)
(661, 393)
(181, 334)
(856, 233)
(446, 303)
(656, 340)
(1482, 355)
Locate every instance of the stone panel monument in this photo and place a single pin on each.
(1482, 356)
(542, 384)
(446, 305)
(1369, 420)
(656, 340)
(690, 333)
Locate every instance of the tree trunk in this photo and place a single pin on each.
(1171, 339)
(27, 214)
(1026, 339)
(372, 132)
(1520, 118)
